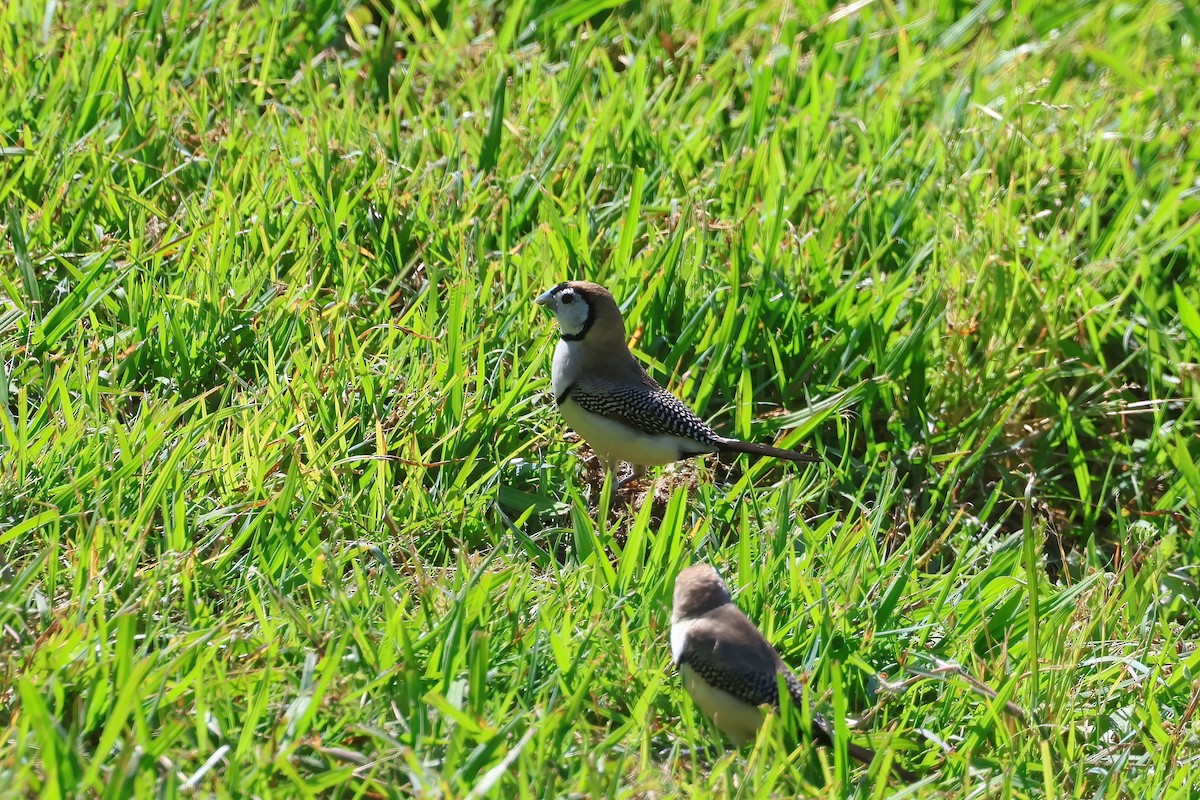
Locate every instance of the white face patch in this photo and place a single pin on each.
(571, 311)
(679, 632)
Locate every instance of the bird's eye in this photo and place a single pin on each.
(568, 297)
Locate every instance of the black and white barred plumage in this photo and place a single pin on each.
(650, 409)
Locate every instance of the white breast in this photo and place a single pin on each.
(735, 718)
(564, 369)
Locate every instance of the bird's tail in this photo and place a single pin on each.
(863, 755)
(737, 446)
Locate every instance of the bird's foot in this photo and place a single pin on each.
(632, 477)
(705, 753)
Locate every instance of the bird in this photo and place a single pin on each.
(728, 666)
(609, 399)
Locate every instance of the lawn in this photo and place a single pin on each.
(286, 507)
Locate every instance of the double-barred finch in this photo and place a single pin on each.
(727, 665)
(606, 396)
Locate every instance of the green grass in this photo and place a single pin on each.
(285, 505)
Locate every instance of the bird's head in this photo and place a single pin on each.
(698, 590)
(582, 308)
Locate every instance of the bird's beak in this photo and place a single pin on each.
(544, 298)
